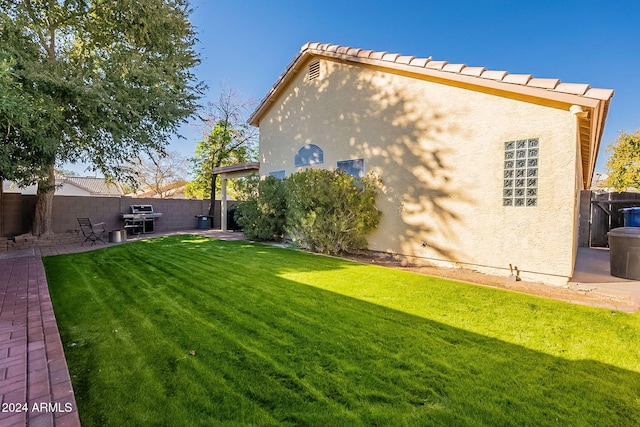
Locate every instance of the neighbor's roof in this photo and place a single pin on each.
(526, 87)
(95, 186)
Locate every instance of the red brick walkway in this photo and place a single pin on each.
(35, 388)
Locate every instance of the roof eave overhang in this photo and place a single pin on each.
(238, 170)
(590, 129)
(526, 93)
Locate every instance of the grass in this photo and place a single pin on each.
(189, 331)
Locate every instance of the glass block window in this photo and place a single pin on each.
(520, 186)
(310, 154)
(355, 168)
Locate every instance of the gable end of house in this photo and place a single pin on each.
(589, 105)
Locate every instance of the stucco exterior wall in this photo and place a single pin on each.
(439, 150)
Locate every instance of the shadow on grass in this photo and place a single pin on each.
(195, 332)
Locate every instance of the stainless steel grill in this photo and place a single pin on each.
(141, 219)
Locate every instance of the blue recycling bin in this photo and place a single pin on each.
(631, 217)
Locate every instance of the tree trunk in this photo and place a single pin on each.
(214, 179)
(42, 221)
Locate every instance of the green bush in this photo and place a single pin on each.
(262, 214)
(324, 211)
(330, 211)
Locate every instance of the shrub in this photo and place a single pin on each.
(330, 211)
(262, 214)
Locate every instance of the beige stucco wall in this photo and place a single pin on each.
(439, 150)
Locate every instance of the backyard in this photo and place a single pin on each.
(186, 330)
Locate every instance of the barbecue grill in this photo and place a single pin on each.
(141, 219)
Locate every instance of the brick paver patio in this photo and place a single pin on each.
(35, 388)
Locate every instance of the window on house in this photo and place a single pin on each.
(277, 174)
(310, 154)
(520, 186)
(355, 168)
(314, 70)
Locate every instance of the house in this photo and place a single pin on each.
(73, 186)
(481, 169)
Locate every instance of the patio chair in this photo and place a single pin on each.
(91, 232)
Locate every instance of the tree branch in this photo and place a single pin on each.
(40, 33)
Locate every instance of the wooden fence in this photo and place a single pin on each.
(603, 214)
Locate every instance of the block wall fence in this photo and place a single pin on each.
(17, 211)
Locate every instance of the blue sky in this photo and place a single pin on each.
(248, 44)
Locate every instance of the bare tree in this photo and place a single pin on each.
(159, 173)
(227, 139)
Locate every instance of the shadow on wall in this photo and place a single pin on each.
(405, 146)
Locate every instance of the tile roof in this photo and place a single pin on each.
(556, 93)
(481, 76)
(95, 186)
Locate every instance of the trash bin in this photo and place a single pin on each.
(631, 217)
(624, 252)
(117, 236)
(202, 222)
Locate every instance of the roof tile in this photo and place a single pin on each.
(364, 53)
(436, 65)
(543, 83)
(405, 59)
(599, 93)
(420, 62)
(453, 68)
(473, 71)
(518, 79)
(391, 57)
(493, 74)
(353, 51)
(575, 88)
(377, 55)
(343, 49)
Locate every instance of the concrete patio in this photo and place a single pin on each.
(34, 379)
(592, 274)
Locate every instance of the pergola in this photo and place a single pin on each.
(239, 170)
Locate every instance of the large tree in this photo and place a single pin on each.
(623, 166)
(23, 124)
(107, 80)
(229, 141)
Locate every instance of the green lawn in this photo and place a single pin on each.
(184, 330)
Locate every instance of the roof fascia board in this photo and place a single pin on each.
(558, 99)
(598, 118)
(535, 95)
(284, 79)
